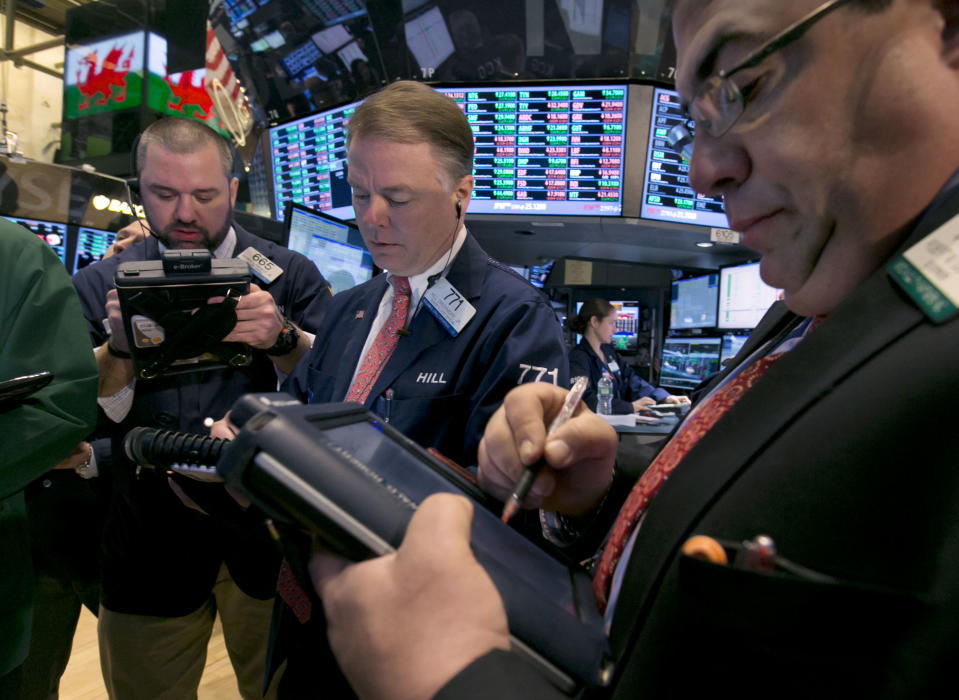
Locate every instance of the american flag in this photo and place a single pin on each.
(231, 104)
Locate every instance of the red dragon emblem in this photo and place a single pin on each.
(100, 80)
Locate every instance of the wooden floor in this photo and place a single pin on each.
(82, 679)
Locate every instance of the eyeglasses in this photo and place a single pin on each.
(719, 103)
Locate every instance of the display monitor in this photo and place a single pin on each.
(688, 361)
(302, 57)
(331, 245)
(625, 337)
(732, 343)
(335, 11)
(103, 76)
(330, 39)
(308, 163)
(428, 38)
(667, 194)
(538, 274)
(52, 233)
(546, 149)
(178, 94)
(539, 150)
(693, 302)
(743, 297)
(92, 243)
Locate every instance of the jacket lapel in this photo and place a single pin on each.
(466, 275)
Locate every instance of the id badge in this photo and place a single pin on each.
(613, 366)
(260, 265)
(929, 272)
(448, 306)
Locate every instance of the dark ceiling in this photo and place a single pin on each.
(48, 15)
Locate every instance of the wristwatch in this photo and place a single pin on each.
(286, 341)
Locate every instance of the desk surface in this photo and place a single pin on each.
(664, 427)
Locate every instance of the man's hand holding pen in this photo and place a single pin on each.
(578, 456)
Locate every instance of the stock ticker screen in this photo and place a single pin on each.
(667, 195)
(308, 160)
(539, 150)
(546, 149)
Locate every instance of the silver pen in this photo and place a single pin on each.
(525, 482)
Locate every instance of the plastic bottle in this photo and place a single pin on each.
(604, 391)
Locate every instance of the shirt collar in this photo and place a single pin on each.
(222, 252)
(419, 283)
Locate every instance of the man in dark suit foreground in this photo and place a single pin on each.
(829, 129)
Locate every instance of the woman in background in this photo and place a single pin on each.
(596, 322)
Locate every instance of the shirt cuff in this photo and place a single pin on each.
(117, 406)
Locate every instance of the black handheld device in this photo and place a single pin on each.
(169, 324)
(344, 474)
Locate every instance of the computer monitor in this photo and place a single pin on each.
(538, 274)
(92, 243)
(743, 296)
(626, 337)
(667, 195)
(52, 233)
(308, 162)
(732, 343)
(331, 245)
(688, 361)
(546, 149)
(428, 38)
(693, 302)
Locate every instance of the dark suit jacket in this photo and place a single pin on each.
(845, 452)
(443, 389)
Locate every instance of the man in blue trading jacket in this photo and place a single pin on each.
(167, 569)
(829, 128)
(410, 162)
(471, 329)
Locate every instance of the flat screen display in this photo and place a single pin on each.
(732, 343)
(743, 297)
(308, 158)
(688, 361)
(693, 302)
(103, 76)
(92, 243)
(625, 336)
(667, 195)
(538, 274)
(52, 233)
(428, 38)
(325, 241)
(178, 94)
(539, 150)
(546, 149)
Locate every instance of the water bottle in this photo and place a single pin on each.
(604, 390)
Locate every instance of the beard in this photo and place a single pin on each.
(203, 239)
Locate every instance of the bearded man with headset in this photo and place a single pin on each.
(168, 570)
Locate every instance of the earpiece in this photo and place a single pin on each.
(459, 208)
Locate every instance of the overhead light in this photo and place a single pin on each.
(704, 244)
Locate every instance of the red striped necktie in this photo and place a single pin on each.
(704, 417)
(384, 344)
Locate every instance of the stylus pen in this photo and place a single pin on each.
(525, 482)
